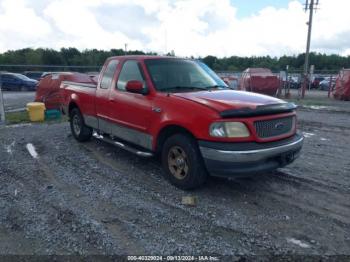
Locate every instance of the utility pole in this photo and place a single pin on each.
(165, 42)
(125, 50)
(310, 7)
(2, 109)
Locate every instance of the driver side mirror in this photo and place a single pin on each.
(135, 86)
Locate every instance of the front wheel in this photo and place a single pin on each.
(182, 162)
(80, 131)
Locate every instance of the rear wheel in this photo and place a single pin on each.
(182, 162)
(80, 131)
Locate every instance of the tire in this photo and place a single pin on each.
(182, 162)
(80, 131)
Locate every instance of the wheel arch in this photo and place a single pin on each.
(166, 132)
(71, 106)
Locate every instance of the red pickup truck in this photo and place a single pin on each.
(182, 111)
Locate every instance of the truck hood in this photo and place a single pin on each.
(222, 100)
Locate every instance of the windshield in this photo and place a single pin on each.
(23, 77)
(182, 75)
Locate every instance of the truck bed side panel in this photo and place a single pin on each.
(84, 97)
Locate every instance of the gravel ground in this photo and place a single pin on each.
(92, 198)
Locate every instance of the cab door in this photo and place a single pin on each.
(10, 82)
(130, 112)
(102, 102)
(5, 80)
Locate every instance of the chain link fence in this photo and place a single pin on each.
(2, 106)
(320, 83)
(23, 69)
(289, 80)
(11, 101)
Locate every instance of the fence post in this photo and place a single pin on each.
(2, 109)
(287, 84)
(281, 83)
(330, 85)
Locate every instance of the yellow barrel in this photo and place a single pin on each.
(36, 111)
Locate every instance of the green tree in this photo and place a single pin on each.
(95, 57)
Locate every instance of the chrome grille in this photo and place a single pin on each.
(274, 127)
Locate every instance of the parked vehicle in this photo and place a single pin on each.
(316, 82)
(182, 111)
(295, 82)
(17, 82)
(324, 84)
(231, 81)
(259, 80)
(36, 75)
(94, 76)
(342, 85)
(48, 90)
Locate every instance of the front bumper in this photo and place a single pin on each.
(242, 159)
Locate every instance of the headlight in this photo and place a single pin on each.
(229, 129)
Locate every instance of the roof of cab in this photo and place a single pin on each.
(142, 57)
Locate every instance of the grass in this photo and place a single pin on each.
(318, 98)
(17, 117)
(310, 102)
(20, 117)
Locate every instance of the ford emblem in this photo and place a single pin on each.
(279, 126)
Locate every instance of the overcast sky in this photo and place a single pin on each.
(189, 27)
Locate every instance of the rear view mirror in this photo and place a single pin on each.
(135, 86)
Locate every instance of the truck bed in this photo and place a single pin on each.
(85, 92)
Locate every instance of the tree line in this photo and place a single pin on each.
(93, 57)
